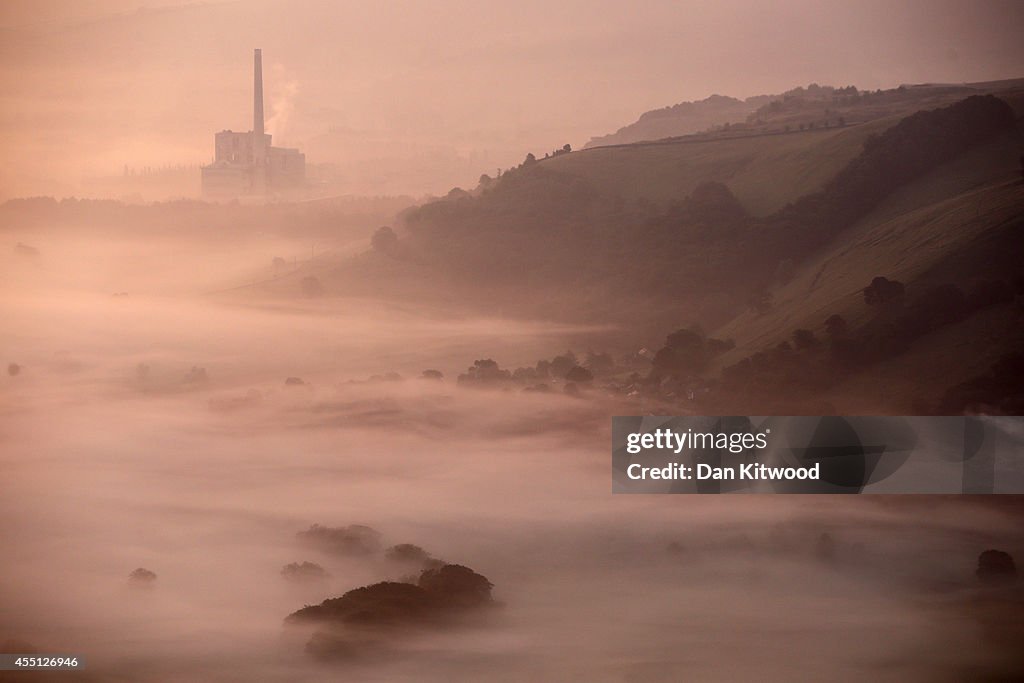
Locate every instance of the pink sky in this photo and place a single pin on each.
(90, 86)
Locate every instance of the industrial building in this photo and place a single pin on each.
(246, 163)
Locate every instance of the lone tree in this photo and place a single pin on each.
(996, 566)
(882, 290)
(835, 326)
(306, 571)
(142, 577)
(579, 374)
(684, 354)
(384, 240)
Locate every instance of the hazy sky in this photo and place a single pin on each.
(90, 86)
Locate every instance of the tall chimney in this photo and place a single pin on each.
(257, 95)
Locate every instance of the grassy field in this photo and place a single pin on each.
(765, 172)
(913, 233)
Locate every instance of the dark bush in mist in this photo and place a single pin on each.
(836, 326)
(484, 373)
(559, 366)
(686, 353)
(435, 375)
(380, 604)
(882, 291)
(142, 577)
(355, 539)
(598, 363)
(384, 240)
(456, 586)
(996, 566)
(408, 553)
(305, 571)
(439, 594)
(579, 375)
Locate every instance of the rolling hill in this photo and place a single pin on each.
(765, 171)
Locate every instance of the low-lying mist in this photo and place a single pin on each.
(147, 423)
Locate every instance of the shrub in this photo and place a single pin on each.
(882, 290)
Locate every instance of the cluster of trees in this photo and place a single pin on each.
(304, 572)
(410, 554)
(142, 577)
(564, 149)
(392, 603)
(385, 240)
(440, 595)
(483, 373)
(996, 567)
(566, 367)
(805, 362)
(486, 182)
(354, 539)
(796, 102)
(686, 353)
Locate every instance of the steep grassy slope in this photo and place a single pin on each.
(951, 225)
(683, 119)
(764, 166)
(912, 382)
(765, 172)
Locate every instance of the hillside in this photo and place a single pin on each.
(907, 237)
(682, 119)
(749, 238)
(732, 211)
(791, 146)
(960, 225)
(765, 171)
(801, 108)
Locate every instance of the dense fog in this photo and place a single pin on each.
(149, 425)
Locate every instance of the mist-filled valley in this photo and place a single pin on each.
(157, 420)
(320, 323)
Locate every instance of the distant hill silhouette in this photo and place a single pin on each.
(683, 118)
(801, 108)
